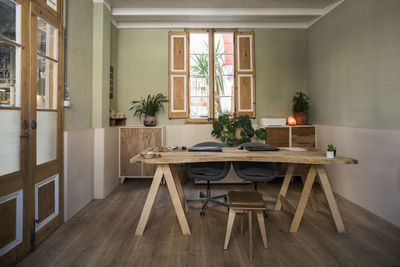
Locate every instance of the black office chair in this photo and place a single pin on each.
(208, 171)
(257, 171)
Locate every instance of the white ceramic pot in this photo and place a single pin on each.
(330, 154)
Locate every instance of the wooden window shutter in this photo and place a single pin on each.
(245, 96)
(178, 70)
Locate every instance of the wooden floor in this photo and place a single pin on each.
(103, 234)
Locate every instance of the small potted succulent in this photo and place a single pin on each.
(148, 107)
(301, 105)
(331, 151)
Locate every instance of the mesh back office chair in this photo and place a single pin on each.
(257, 171)
(208, 171)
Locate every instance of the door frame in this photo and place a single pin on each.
(42, 172)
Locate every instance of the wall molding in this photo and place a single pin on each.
(326, 10)
(212, 13)
(217, 11)
(105, 2)
(233, 24)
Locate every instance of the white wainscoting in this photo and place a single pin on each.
(105, 161)
(78, 170)
(90, 166)
(374, 183)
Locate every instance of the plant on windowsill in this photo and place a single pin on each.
(226, 129)
(148, 107)
(301, 106)
(331, 151)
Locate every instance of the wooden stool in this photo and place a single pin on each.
(246, 201)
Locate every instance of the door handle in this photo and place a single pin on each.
(33, 125)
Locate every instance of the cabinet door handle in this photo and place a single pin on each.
(33, 125)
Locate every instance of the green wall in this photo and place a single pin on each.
(353, 74)
(79, 64)
(114, 63)
(280, 69)
(101, 65)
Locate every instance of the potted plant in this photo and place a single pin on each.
(225, 129)
(331, 151)
(300, 107)
(148, 107)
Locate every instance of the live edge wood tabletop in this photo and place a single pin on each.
(315, 158)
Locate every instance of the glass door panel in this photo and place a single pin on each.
(46, 84)
(9, 141)
(10, 20)
(46, 38)
(46, 136)
(51, 3)
(9, 75)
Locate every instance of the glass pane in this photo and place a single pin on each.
(199, 107)
(199, 86)
(223, 53)
(46, 136)
(224, 105)
(224, 74)
(9, 75)
(199, 64)
(46, 83)
(224, 86)
(51, 3)
(9, 141)
(9, 20)
(46, 39)
(199, 43)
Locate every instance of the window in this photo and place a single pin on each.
(205, 81)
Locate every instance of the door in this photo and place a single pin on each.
(46, 122)
(30, 124)
(14, 130)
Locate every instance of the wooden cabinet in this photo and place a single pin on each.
(291, 136)
(133, 140)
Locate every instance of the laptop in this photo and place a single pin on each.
(260, 147)
(205, 149)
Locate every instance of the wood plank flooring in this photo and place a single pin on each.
(103, 234)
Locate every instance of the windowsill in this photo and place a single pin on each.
(198, 121)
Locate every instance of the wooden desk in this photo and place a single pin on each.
(317, 160)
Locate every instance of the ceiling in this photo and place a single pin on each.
(218, 13)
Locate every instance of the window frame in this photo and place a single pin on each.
(211, 48)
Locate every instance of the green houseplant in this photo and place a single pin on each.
(148, 107)
(301, 105)
(226, 130)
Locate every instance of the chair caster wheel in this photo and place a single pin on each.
(265, 214)
(226, 198)
(202, 213)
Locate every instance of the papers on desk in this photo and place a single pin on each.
(294, 148)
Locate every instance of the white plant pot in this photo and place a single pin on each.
(330, 154)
